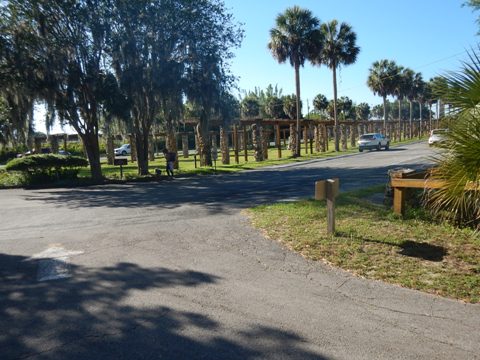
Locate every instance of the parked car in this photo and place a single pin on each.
(123, 150)
(373, 141)
(64, 153)
(437, 136)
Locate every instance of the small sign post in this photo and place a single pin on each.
(120, 162)
(328, 189)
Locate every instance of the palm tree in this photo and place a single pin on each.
(400, 92)
(412, 85)
(362, 111)
(430, 99)
(339, 48)
(420, 97)
(294, 38)
(439, 82)
(458, 165)
(381, 80)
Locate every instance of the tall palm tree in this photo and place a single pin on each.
(430, 99)
(381, 80)
(339, 48)
(295, 38)
(412, 81)
(420, 97)
(399, 90)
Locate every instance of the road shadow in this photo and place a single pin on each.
(90, 316)
(216, 193)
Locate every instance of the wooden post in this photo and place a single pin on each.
(310, 138)
(245, 138)
(235, 143)
(399, 196)
(305, 138)
(284, 137)
(279, 141)
(332, 186)
(328, 189)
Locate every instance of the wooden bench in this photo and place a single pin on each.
(402, 181)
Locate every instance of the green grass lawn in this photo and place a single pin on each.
(372, 242)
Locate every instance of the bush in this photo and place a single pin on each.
(47, 168)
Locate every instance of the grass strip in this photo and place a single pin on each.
(372, 242)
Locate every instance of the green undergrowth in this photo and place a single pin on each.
(187, 165)
(372, 242)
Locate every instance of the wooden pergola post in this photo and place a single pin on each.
(310, 137)
(278, 141)
(245, 142)
(305, 138)
(235, 143)
(326, 137)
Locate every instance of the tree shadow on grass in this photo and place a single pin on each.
(420, 250)
(91, 316)
(423, 250)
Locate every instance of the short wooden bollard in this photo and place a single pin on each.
(328, 189)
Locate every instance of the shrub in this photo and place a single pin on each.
(47, 168)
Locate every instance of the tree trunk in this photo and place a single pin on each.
(204, 144)
(343, 134)
(292, 141)
(38, 145)
(421, 121)
(151, 149)
(185, 145)
(171, 144)
(317, 138)
(335, 119)
(141, 147)
(384, 111)
(110, 150)
(297, 87)
(54, 144)
(133, 147)
(90, 142)
(257, 142)
(265, 135)
(224, 146)
(353, 135)
(411, 119)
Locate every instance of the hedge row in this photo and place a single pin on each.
(45, 162)
(45, 168)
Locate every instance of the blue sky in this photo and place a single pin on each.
(429, 36)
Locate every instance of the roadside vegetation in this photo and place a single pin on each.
(186, 167)
(370, 241)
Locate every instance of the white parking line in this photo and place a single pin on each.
(54, 263)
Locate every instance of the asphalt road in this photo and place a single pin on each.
(173, 270)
